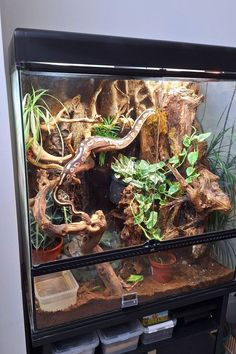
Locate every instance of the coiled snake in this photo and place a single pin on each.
(90, 145)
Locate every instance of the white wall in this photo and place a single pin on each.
(202, 21)
(12, 336)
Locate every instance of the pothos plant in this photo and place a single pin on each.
(154, 184)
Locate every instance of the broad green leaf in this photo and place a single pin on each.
(162, 188)
(195, 175)
(154, 178)
(137, 184)
(173, 188)
(133, 278)
(192, 157)
(190, 170)
(158, 165)
(146, 207)
(127, 179)
(152, 220)
(189, 179)
(174, 160)
(161, 164)
(157, 196)
(138, 219)
(202, 137)
(152, 168)
(187, 141)
(140, 198)
(143, 165)
(156, 234)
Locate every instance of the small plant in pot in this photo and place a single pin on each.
(162, 266)
(46, 248)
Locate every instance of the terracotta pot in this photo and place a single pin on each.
(47, 255)
(162, 272)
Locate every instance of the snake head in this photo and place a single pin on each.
(66, 176)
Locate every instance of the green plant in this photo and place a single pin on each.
(109, 129)
(223, 163)
(151, 186)
(189, 152)
(155, 184)
(135, 278)
(36, 112)
(55, 214)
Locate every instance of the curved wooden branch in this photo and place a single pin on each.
(45, 156)
(44, 166)
(204, 193)
(60, 119)
(108, 276)
(91, 228)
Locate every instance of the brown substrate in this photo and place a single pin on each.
(187, 277)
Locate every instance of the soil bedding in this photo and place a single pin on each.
(187, 277)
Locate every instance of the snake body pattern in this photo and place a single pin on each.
(96, 144)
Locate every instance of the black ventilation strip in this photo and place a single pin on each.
(147, 248)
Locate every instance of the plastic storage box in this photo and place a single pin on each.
(158, 332)
(56, 291)
(121, 338)
(84, 344)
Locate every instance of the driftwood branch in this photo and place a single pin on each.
(205, 193)
(60, 118)
(89, 228)
(45, 156)
(108, 276)
(44, 166)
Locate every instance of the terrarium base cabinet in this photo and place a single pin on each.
(126, 152)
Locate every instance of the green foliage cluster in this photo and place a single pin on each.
(109, 129)
(135, 278)
(223, 163)
(36, 112)
(155, 184)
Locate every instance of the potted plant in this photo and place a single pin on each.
(46, 248)
(162, 266)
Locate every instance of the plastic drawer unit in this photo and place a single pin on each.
(120, 339)
(84, 344)
(158, 332)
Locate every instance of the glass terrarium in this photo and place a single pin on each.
(126, 172)
(113, 163)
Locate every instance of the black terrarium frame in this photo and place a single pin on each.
(40, 51)
(142, 58)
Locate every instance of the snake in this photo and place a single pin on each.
(91, 145)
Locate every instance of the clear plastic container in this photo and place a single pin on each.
(121, 338)
(56, 291)
(158, 332)
(83, 344)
